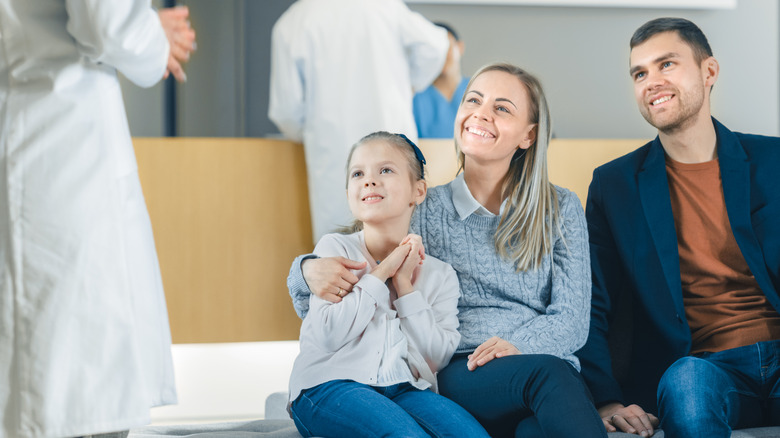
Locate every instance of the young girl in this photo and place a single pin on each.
(368, 363)
(520, 247)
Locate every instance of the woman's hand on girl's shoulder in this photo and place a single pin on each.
(330, 278)
(493, 348)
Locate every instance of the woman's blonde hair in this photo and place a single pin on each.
(530, 221)
(416, 167)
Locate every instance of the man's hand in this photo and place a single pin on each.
(631, 419)
(181, 38)
(492, 348)
(330, 278)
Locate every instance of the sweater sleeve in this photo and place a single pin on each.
(563, 328)
(296, 285)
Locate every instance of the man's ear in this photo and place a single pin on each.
(710, 70)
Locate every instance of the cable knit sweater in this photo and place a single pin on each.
(543, 311)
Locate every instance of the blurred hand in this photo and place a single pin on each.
(181, 38)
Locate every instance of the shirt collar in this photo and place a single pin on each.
(464, 201)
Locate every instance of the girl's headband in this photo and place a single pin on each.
(418, 153)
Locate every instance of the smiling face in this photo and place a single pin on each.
(671, 87)
(493, 119)
(380, 186)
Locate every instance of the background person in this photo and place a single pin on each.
(685, 229)
(436, 106)
(341, 69)
(84, 337)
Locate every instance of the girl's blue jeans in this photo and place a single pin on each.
(710, 394)
(344, 408)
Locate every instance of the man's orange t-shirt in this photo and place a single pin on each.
(724, 306)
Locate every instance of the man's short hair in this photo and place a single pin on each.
(687, 31)
(449, 29)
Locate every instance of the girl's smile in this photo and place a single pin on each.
(381, 186)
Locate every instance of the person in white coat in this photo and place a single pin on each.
(341, 69)
(84, 336)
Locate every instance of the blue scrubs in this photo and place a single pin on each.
(434, 114)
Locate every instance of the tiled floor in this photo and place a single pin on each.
(225, 382)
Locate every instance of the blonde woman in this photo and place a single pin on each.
(519, 247)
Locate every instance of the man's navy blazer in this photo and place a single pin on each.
(634, 257)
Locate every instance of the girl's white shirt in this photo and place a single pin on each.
(84, 337)
(348, 340)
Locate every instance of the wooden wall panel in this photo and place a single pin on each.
(571, 161)
(229, 215)
(442, 162)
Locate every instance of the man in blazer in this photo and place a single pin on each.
(685, 243)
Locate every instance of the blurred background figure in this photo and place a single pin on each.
(436, 106)
(341, 69)
(84, 337)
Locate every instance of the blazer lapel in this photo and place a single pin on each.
(735, 175)
(654, 195)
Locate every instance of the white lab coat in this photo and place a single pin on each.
(341, 69)
(84, 337)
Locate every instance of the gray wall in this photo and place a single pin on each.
(581, 55)
(226, 93)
